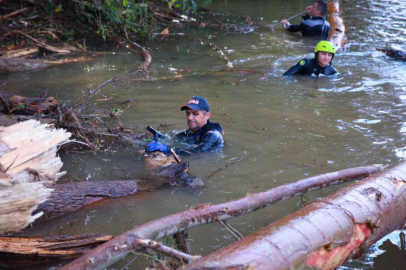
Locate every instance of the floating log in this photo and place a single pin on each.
(11, 103)
(21, 251)
(325, 233)
(28, 163)
(106, 254)
(337, 27)
(8, 65)
(70, 197)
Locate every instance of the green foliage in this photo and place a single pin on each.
(19, 107)
(107, 18)
(302, 200)
(129, 16)
(116, 111)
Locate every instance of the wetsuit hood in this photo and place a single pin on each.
(210, 126)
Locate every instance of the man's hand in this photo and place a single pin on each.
(285, 23)
(157, 146)
(309, 9)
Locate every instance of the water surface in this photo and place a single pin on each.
(293, 127)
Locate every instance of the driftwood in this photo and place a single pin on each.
(47, 47)
(8, 65)
(337, 27)
(223, 56)
(28, 163)
(20, 52)
(70, 197)
(397, 54)
(10, 103)
(324, 233)
(106, 254)
(20, 251)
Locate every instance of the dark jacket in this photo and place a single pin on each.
(311, 27)
(208, 137)
(310, 67)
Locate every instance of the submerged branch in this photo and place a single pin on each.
(234, 162)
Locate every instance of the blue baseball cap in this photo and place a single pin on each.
(197, 104)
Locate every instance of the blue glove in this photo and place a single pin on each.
(157, 146)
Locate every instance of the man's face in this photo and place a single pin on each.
(315, 10)
(196, 119)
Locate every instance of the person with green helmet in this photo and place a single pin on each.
(320, 64)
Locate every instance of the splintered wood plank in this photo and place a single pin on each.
(19, 251)
(32, 149)
(28, 164)
(18, 202)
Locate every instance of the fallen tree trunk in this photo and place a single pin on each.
(108, 253)
(337, 27)
(11, 103)
(70, 197)
(325, 233)
(8, 65)
(20, 251)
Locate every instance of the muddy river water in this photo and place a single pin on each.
(292, 127)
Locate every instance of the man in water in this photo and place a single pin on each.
(319, 65)
(202, 135)
(314, 24)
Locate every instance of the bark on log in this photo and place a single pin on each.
(10, 103)
(325, 233)
(337, 27)
(20, 251)
(67, 198)
(107, 254)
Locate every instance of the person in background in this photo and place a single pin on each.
(202, 134)
(320, 64)
(314, 24)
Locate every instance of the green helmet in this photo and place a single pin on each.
(325, 46)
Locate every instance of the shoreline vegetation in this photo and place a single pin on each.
(33, 27)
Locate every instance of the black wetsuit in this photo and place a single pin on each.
(311, 27)
(310, 67)
(207, 138)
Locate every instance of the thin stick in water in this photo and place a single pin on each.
(234, 162)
